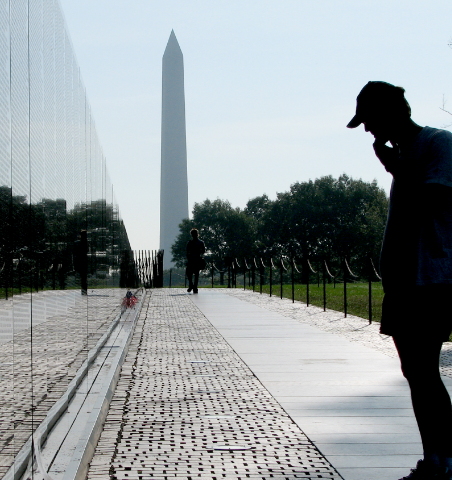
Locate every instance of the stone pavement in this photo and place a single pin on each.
(187, 406)
(354, 329)
(233, 384)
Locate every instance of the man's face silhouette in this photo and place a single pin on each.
(381, 126)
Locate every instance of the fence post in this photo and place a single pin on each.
(253, 277)
(370, 293)
(212, 274)
(293, 282)
(271, 275)
(307, 283)
(372, 272)
(281, 275)
(170, 271)
(260, 275)
(19, 274)
(324, 284)
(345, 288)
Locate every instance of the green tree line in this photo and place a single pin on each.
(326, 218)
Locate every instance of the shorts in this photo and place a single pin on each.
(424, 311)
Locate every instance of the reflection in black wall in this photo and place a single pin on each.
(54, 184)
(40, 245)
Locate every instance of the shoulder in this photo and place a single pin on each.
(434, 153)
(436, 136)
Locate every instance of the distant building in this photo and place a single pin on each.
(173, 180)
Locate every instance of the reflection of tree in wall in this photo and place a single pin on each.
(37, 242)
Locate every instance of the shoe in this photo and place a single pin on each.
(189, 290)
(428, 471)
(195, 290)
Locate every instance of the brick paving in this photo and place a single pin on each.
(65, 327)
(186, 406)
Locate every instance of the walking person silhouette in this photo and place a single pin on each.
(195, 248)
(416, 260)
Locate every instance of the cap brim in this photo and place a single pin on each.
(354, 122)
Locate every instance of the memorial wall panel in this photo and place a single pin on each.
(61, 235)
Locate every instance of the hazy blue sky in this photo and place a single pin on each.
(269, 86)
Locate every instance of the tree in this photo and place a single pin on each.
(226, 231)
(327, 217)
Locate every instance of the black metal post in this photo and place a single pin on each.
(345, 289)
(19, 276)
(212, 275)
(271, 276)
(370, 291)
(170, 272)
(281, 276)
(260, 277)
(7, 275)
(324, 285)
(293, 282)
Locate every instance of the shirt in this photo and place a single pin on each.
(195, 248)
(417, 244)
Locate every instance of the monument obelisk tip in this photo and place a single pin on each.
(172, 44)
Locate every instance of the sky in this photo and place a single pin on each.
(270, 86)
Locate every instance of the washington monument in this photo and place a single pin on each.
(173, 180)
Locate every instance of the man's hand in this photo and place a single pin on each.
(388, 156)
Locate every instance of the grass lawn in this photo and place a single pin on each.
(357, 297)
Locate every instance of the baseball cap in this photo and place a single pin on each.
(375, 96)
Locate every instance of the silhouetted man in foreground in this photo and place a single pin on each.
(195, 248)
(416, 260)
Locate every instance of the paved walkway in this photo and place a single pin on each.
(239, 385)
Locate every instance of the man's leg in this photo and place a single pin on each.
(189, 273)
(419, 359)
(195, 283)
